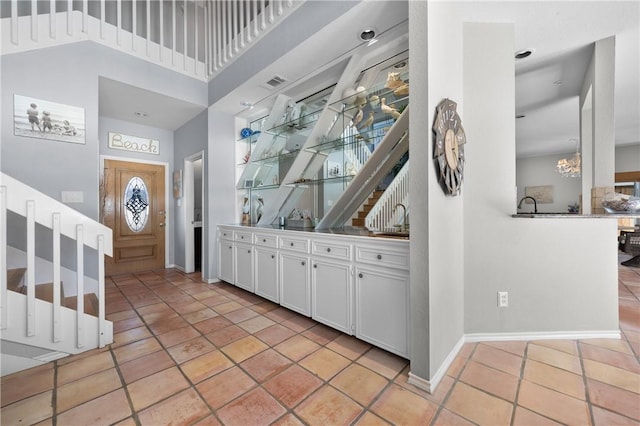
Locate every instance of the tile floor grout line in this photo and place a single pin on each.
(525, 357)
(54, 395)
(456, 380)
(134, 413)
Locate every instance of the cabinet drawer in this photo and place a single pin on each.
(265, 240)
(294, 244)
(242, 236)
(383, 257)
(332, 250)
(225, 234)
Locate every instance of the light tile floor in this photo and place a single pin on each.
(189, 353)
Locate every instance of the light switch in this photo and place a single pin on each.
(72, 197)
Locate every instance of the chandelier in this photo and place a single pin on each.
(570, 167)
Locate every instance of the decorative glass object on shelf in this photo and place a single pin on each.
(363, 117)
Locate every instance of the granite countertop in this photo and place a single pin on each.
(347, 230)
(576, 215)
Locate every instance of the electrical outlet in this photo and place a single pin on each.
(503, 299)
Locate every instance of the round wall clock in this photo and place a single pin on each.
(449, 146)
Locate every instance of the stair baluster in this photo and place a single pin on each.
(31, 268)
(3, 257)
(57, 326)
(80, 284)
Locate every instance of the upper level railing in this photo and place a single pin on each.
(194, 37)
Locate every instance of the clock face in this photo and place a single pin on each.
(449, 146)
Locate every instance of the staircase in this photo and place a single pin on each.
(37, 322)
(384, 214)
(366, 208)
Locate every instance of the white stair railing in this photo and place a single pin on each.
(38, 208)
(201, 38)
(384, 214)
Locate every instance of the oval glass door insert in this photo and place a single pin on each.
(136, 200)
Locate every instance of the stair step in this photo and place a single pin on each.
(362, 214)
(90, 303)
(376, 194)
(15, 279)
(45, 292)
(357, 222)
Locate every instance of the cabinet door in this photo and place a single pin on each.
(294, 283)
(331, 291)
(225, 261)
(382, 309)
(266, 276)
(244, 266)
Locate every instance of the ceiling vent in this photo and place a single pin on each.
(275, 81)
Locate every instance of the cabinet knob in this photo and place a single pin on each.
(264, 240)
(229, 247)
(328, 249)
(315, 266)
(379, 256)
(360, 275)
(273, 257)
(302, 263)
(248, 251)
(242, 237)
(291, 244)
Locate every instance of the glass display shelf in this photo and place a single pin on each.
(322, 181)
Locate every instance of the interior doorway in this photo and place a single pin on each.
(193, 212)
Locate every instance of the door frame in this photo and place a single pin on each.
(187, 212)
(168, 219)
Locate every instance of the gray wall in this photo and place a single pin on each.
(188, 140)
(69, 74)
(628, 158)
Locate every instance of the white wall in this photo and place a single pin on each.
(558, 272)
(221, 185)
(628, 158)
(536, 171)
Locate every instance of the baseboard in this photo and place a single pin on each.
(543, 335)
(431, 385)
(213, 280)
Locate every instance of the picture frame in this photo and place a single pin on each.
(177, 184)
(42, 119)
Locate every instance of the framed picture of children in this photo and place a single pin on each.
(37, 118)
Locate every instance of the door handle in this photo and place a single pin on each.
(161, 225)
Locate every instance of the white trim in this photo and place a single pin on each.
(543, 335)
(212, 280)
(188, 203)
(168, 187)
(431, 385)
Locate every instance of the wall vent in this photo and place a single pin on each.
(275, 81)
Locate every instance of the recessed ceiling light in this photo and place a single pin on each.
(141, 114)
(400, 65)
(368, 34)
(520, 116)
(247, 105)
(521, 54)
(557, 82)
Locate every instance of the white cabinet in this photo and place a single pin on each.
(356, 285)
(331, 294)
(294, 282)
(382, 308)
(266, 273)
(244, 266)
(225, 257)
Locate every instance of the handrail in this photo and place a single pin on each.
(19, 193)
(383, 212)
